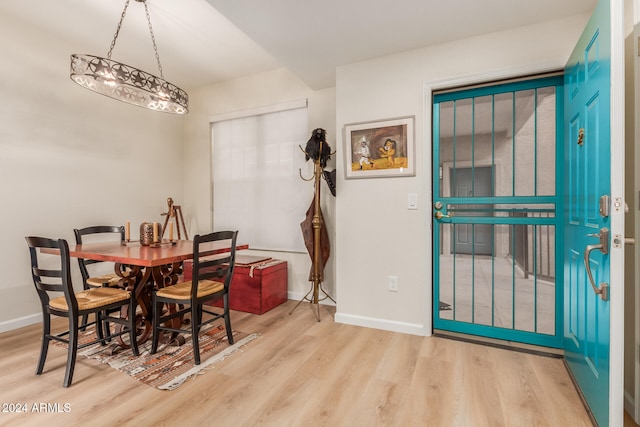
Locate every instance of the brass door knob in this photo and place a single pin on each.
(440, 215)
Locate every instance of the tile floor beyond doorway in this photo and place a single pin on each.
(508, 301)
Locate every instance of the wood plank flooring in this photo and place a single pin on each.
(301, 372)
(628, 421)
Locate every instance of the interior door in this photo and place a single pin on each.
(473, 238)
(591, 219)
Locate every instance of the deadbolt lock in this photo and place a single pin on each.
(605, 206)
(618, 241)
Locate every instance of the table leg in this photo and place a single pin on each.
(135, 279)
(142, 282)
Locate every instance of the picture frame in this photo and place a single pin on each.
(380, 148)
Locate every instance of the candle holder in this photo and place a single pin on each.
(146, 234)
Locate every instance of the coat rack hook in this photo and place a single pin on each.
(303, 178)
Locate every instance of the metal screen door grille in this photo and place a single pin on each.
(496, 231)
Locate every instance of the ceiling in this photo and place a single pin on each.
(201, 42)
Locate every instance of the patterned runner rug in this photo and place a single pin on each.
(172, 365)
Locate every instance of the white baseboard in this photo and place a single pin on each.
(10, 325)
(385, 325)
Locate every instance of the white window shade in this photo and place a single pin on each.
(257, 187)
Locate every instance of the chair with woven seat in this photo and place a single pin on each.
(51, 272)
(92, 271)
(101, 280)
(211, 279)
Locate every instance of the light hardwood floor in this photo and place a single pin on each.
(628, 421)
(301, 372)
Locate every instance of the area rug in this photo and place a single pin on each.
(171, 365)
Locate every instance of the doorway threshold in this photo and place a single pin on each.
(555, 353)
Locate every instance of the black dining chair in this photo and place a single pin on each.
(210, 280)
(51, 272)
(103, 279)
(93, 271)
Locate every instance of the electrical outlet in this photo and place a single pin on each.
(393, 283)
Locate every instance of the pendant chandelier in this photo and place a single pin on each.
(126, 83)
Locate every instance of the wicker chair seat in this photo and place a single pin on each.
(92, 298)
(182, 291)
(107, 280)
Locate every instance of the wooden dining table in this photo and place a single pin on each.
(144, 268)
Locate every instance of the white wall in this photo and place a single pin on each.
(70, 158)
(264, 89)
(376, 236)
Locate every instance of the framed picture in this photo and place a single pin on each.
(378, 149)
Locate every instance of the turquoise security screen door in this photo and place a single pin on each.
(496, 211)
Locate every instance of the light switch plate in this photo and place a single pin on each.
(393, 283)
(412, 201)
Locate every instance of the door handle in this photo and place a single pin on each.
(439, 215)
(603, 246)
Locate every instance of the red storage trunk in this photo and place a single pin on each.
(258, 285)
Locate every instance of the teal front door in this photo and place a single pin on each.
(591, 216)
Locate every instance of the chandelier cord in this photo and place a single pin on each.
(115, 36)
(153, 38)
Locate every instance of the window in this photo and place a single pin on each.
(257, 188)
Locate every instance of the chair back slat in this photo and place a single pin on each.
(44, 279)
(215, 268)
(47, 273)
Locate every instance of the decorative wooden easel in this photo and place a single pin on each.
(175, 211)
(317, 267)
